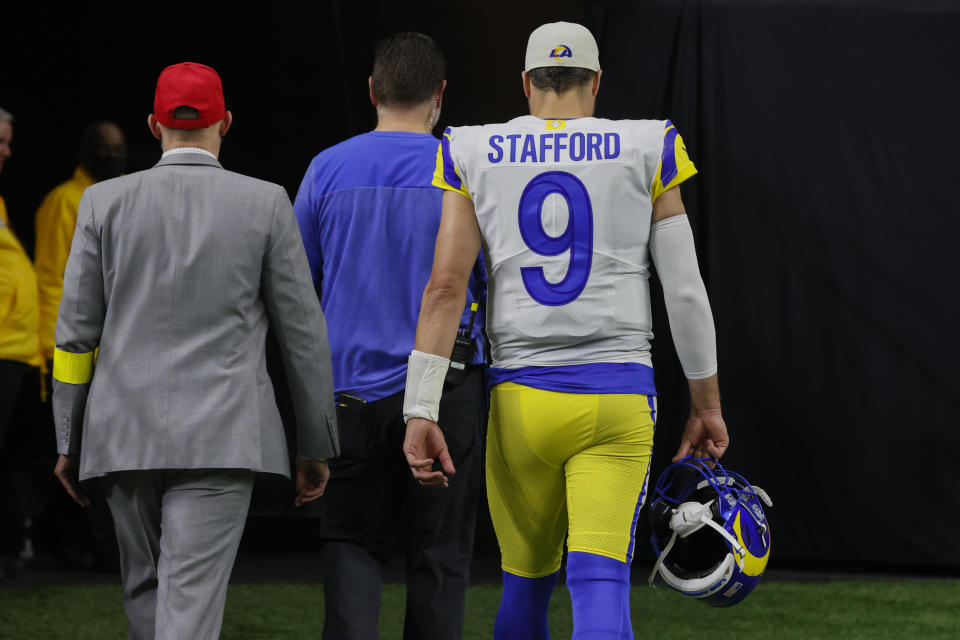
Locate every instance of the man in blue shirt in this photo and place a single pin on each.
(369, 218)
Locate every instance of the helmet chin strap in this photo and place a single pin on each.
(661, 557)
(688, 518)
(737, 547)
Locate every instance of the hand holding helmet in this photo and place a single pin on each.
(705, 435)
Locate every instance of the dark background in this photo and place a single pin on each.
(824, 210)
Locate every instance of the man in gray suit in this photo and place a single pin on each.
(174, 275)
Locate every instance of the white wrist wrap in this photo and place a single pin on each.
(688, 308)
(425, 375)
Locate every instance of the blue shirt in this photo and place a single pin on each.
(369, 218)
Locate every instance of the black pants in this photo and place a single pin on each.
(75, 536)
(11, 376)
(372, 498)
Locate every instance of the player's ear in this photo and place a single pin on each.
(526, 83)
(596, 82)
(373, 97)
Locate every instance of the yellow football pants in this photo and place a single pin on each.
(559, 462)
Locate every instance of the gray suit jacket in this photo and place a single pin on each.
(175, 274)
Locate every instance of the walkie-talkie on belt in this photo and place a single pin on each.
(462, 351)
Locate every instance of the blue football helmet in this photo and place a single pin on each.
(710, 533)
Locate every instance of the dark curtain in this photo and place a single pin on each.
(825, 135)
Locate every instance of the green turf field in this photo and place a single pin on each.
(903, 610)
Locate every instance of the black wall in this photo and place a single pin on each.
(824, 133)
(294, 74)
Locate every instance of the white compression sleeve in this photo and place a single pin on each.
(425, 376)
(691, 321)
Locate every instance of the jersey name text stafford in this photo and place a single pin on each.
(554, 147)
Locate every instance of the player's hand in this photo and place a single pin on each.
(705, 435)
(312, 477)
(423, 444)
(68, 472)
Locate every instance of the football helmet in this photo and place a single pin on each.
(709, 531)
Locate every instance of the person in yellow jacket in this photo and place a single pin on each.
(103, 155)
(18, 302)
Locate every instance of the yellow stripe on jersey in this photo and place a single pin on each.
(446, 175)
(674, 166)
(556, 124)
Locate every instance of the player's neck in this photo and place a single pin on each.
(547, 105)
(417, 120)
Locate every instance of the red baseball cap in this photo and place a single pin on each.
(189, 84)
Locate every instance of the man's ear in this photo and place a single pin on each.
(596, 82)
(154, 126)
(225, 123)
(373, 98)
(438, 102)
(526, 83)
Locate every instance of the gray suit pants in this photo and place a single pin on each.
(178, 531)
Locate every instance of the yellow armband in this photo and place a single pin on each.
(73, 368)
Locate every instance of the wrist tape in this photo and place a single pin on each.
(425, 376)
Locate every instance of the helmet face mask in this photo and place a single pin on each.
(710, 532)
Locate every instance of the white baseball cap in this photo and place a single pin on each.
(562, 44)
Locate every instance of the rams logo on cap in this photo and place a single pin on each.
(561, 51)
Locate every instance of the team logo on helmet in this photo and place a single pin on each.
(560, 52)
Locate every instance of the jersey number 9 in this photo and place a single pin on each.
(577, 238)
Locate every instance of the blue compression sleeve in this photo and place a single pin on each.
(523, 608)
(600, 592)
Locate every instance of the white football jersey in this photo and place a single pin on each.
(564, 207)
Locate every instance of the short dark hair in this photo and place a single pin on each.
(408, 68)
(559, 79)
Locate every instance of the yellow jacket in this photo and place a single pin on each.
(18, 298)
(55, 222)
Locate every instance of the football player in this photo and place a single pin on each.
(570, 210)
